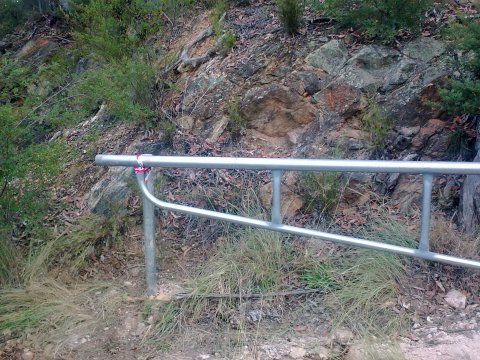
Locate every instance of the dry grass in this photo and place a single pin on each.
(52, 310)
(445, 238)
(369, 282)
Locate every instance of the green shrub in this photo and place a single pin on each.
(236, 122)
(227, 43)
(291, 13)
(375, 122)
(382, 19)
(321, 190)
(463, 96)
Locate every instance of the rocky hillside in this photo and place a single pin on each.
(228, 80)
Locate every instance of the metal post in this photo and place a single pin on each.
(149, 238)
(426, 202)
(276, 196)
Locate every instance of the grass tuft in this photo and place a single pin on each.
(369, 283)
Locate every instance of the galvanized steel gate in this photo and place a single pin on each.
(142, 164)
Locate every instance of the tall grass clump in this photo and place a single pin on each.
(369, 282)
(291, 14)
(376, 122)
(380, 19)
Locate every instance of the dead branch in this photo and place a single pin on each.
(187, 296)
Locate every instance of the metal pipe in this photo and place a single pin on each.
(426, 207)
(373, 166)
(276, 196)
(346, 240)
(149, 234)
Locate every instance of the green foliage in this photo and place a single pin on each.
(317, 277)
(375, 122)
(14, 13)
(227, 43)
(236, 121)
(382, 19)
(463, 96)
(291, 13)
(320, 190)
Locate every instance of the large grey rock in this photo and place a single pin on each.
(110, 191)
(376, 67)
(331, 57)
(424, 49)
(406, 103)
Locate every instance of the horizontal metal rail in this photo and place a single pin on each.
(277, 166)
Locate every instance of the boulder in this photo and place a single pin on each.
(424, 49)
(110, 190)
(376, 67)
(37, 49)
(275, 110)
(340, 97)
(456, 299)
(330, 57)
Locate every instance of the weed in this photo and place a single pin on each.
(375, 122)
(236, 121)
(168, 128)
(320, 190)
(317, 277)
(227, 43)
(382, 19)
(291, 13)
(461, 143)
(218, 9)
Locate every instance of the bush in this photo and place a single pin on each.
(382, 19)
(463, 96)
(291, 13)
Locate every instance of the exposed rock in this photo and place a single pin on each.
(37, 49)
(377, 67)
(218, 129)
(424, 49)
(331, 57)
(408, 191)
(343, 336)
(110, 190)
(433, 126)
(250, 68)
(297, 352)
(203, 96)
(28, 355)
(356, 352)
(186, 122)
(340, 97)
(291, 202)
(358, 184)
(456, 299)
(409, 104)
(320, 353)
(275, 110)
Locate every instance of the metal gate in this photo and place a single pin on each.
(143, 163)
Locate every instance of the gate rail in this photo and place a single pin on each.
(143, 163)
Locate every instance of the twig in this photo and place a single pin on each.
(184, 296)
